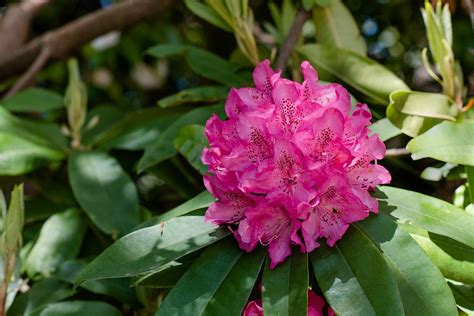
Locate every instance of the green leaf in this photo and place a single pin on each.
(117, 288)
(149, 248)
(107, 117)
(208, 14)
(40, 133)
(210, 94)
(104, 191)
(219, 282)
(336, 26)
(163, 148)
(80, 308)
(470, 179)
(34, 100)
(384, 129)
(429, 213)
(448, 141)
(464, 296)
(454, 259)
(355, 278)
(166, 50)
(190, 142)
(60, 239)
(202, 200)
(422, 287)
(362, 73)
(13, 224)
(285, 288)
(166, 276)
(41, 293)
(415, 112)
(20, 156)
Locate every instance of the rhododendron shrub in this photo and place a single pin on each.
(292, 164)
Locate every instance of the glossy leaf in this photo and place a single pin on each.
(448, 141)
(60, 239)
(209, 94)
(34, 100)
(415, 112)
(384, 129)
(149, 248)
(454, 259)
(190, 142)
(363, 74)
(166, 276)
(429, 213)
(355, 278)
(285, 288)
(218, 283)
(20, 156)
(163, 148)
(202, 200)
(80, 308)
(336, 26)
(423, 288)
(104, 191)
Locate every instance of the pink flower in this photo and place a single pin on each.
(291, 164)
(315, 307)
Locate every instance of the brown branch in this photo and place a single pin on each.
(290, 41)
(63, 41)
(394, 152)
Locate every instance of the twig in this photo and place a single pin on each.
(290, 41)
(28, 77)
(64, 40)
(394, 152)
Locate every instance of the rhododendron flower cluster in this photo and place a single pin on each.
(315, 307)
(291, 164)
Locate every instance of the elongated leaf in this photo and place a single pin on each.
(415, 112)
(104, 191)
(208, 14)
(210, 94)
(80, 308)
(448, 141)
(166, 50)
(429, 213)
(470, 180)
(19, 156)
(149, 248)
(34, 100)
(41, 294)
(190, 142)
(165, 278)
(163, 148)
(363, 74)
(355, 278)
(464, 296)
(218, 283)
(202, 200)
(384, 129)
(285, 289)
(60, 239)
(422, 286)
(107, 117)
(454, 259)
(336, 26)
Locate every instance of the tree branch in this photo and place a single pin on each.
(290, 41)
(61, 42)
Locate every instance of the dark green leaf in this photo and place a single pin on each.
(429, 213)
(202, 200)
(218, 283)
(448, 141)
(355, 278)
(149, 248)
(336, 26)
(19, 156)
(60, 239)
(210, 94)
(470, 180)
(163, 148)
(190, 142)
(464, 296)
(285, 288)
(363, 74)
(107, 117)
(422, 287)
(166, 277)
(80, 308)
(104, 191)
(166, 50)
(34, 100)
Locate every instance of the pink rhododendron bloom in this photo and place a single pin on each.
(315, 307)
(291, 164)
